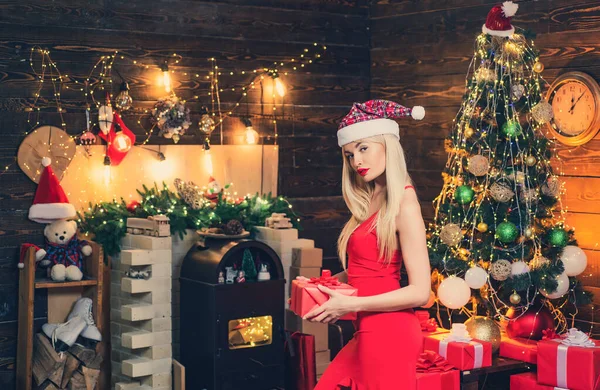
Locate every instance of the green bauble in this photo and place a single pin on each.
(511, 129)
(464, 194)
(558, 237)
(507, 232)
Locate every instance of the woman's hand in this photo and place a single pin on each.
(337, 306)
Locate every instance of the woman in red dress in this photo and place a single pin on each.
(385, 232)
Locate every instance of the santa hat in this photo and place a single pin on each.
(498, 20)
(375, 117)
(50, 202)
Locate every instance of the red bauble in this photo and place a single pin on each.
(132, 206)
(529, 325)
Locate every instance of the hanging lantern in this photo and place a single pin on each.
(123, 100)
(105, 118)
(251, 134)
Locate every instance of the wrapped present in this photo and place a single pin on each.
(428, 325)
(306, 295)
(435, 373)
(519, 348)
(528, 381)
(572, 362)
(459, 348)
(300, 363)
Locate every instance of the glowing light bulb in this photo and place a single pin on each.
(122, 142)
(279, 87)
(251, 136)
(107, 174)
(166, 77)
(208, 166)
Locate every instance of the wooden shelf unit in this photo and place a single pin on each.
(61, 297)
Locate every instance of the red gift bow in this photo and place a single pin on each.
(327, 281)
(430, 361)
(550, 334)
(429, 325)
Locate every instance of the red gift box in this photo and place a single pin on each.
(527, 381)
(462, 355)
(521, 349)
(435, 373)
(428, 325)
(306, 295)
(300, 363)
(568, 366)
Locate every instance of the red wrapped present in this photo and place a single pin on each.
(527, 381)
(306, 295)
(572, 362)
(461, 351)
(435, 373)
(428, 325)
(300, 363)
(519, 348)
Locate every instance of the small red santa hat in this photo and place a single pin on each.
(50, 202)
(498, 20)
(375, 117)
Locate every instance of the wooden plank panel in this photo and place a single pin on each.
(583, 160)
(192, 19)
(582, 194)
(586, 229)
(359, 7)
(591, 275)
(321, 212)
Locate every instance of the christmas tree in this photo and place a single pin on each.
(498, 236)
(248, 266)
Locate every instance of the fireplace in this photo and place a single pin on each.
(231, 334)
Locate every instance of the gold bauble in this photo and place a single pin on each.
(538, 67)
(515, 298)
(482, 227)
(530, 161)
(484, 328)
(528, 233)
(469, 132)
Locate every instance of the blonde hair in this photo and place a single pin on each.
(358, 193)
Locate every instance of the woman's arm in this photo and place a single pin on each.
(411, 229)
(342, 276)
(413, 242)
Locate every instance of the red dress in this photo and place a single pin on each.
(383, 353)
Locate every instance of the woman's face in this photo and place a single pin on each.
(366, 157)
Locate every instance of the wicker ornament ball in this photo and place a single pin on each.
(451, 234)
(479, 165)
(501, 192)
(501, 270)
(551, 187)
(542, 112)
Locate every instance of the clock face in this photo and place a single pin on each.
(574, 108)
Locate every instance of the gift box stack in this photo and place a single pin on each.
(570, 362)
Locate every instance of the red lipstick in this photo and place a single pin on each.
(362, 171)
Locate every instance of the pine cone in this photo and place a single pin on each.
(234, 227)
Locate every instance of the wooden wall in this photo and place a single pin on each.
(420, 52)
(241, 35)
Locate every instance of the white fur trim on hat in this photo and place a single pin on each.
(509, 8)
(501, 33)
(46, 161)
(50, 212)
(367, 129)
(418, 112)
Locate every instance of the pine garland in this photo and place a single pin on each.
(107, 221)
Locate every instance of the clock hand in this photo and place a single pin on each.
(573, 106)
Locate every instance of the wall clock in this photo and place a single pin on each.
(575, 100)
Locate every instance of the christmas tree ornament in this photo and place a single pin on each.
(464, 194)
(451, 234)
(105, 117)
(517, 91)
(538, 262)
(528, 195)
(538, 67)
(476, 277)
(515, 298)
(248, 265)
(542, 112)
(507, 232)
(207, 124)
(551, 187)
(530, 160)
(46, 141)
(519, 268)
(263, 274)
(500, 270)
(528, 233)
(482, 227)
(558, 237)
(501, 192)
(123, 101)
(454, 292)
(529, 323)
(119, 140)
(479, 165)
(463, 252)
(516, 176)
(87, 139)
(486, 329)
(469, 132)
(512, 129)
(574, 259)
(132, 206)
(172, 117)
(561, 289)
(485, 75)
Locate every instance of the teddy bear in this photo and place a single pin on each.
(64, 251)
